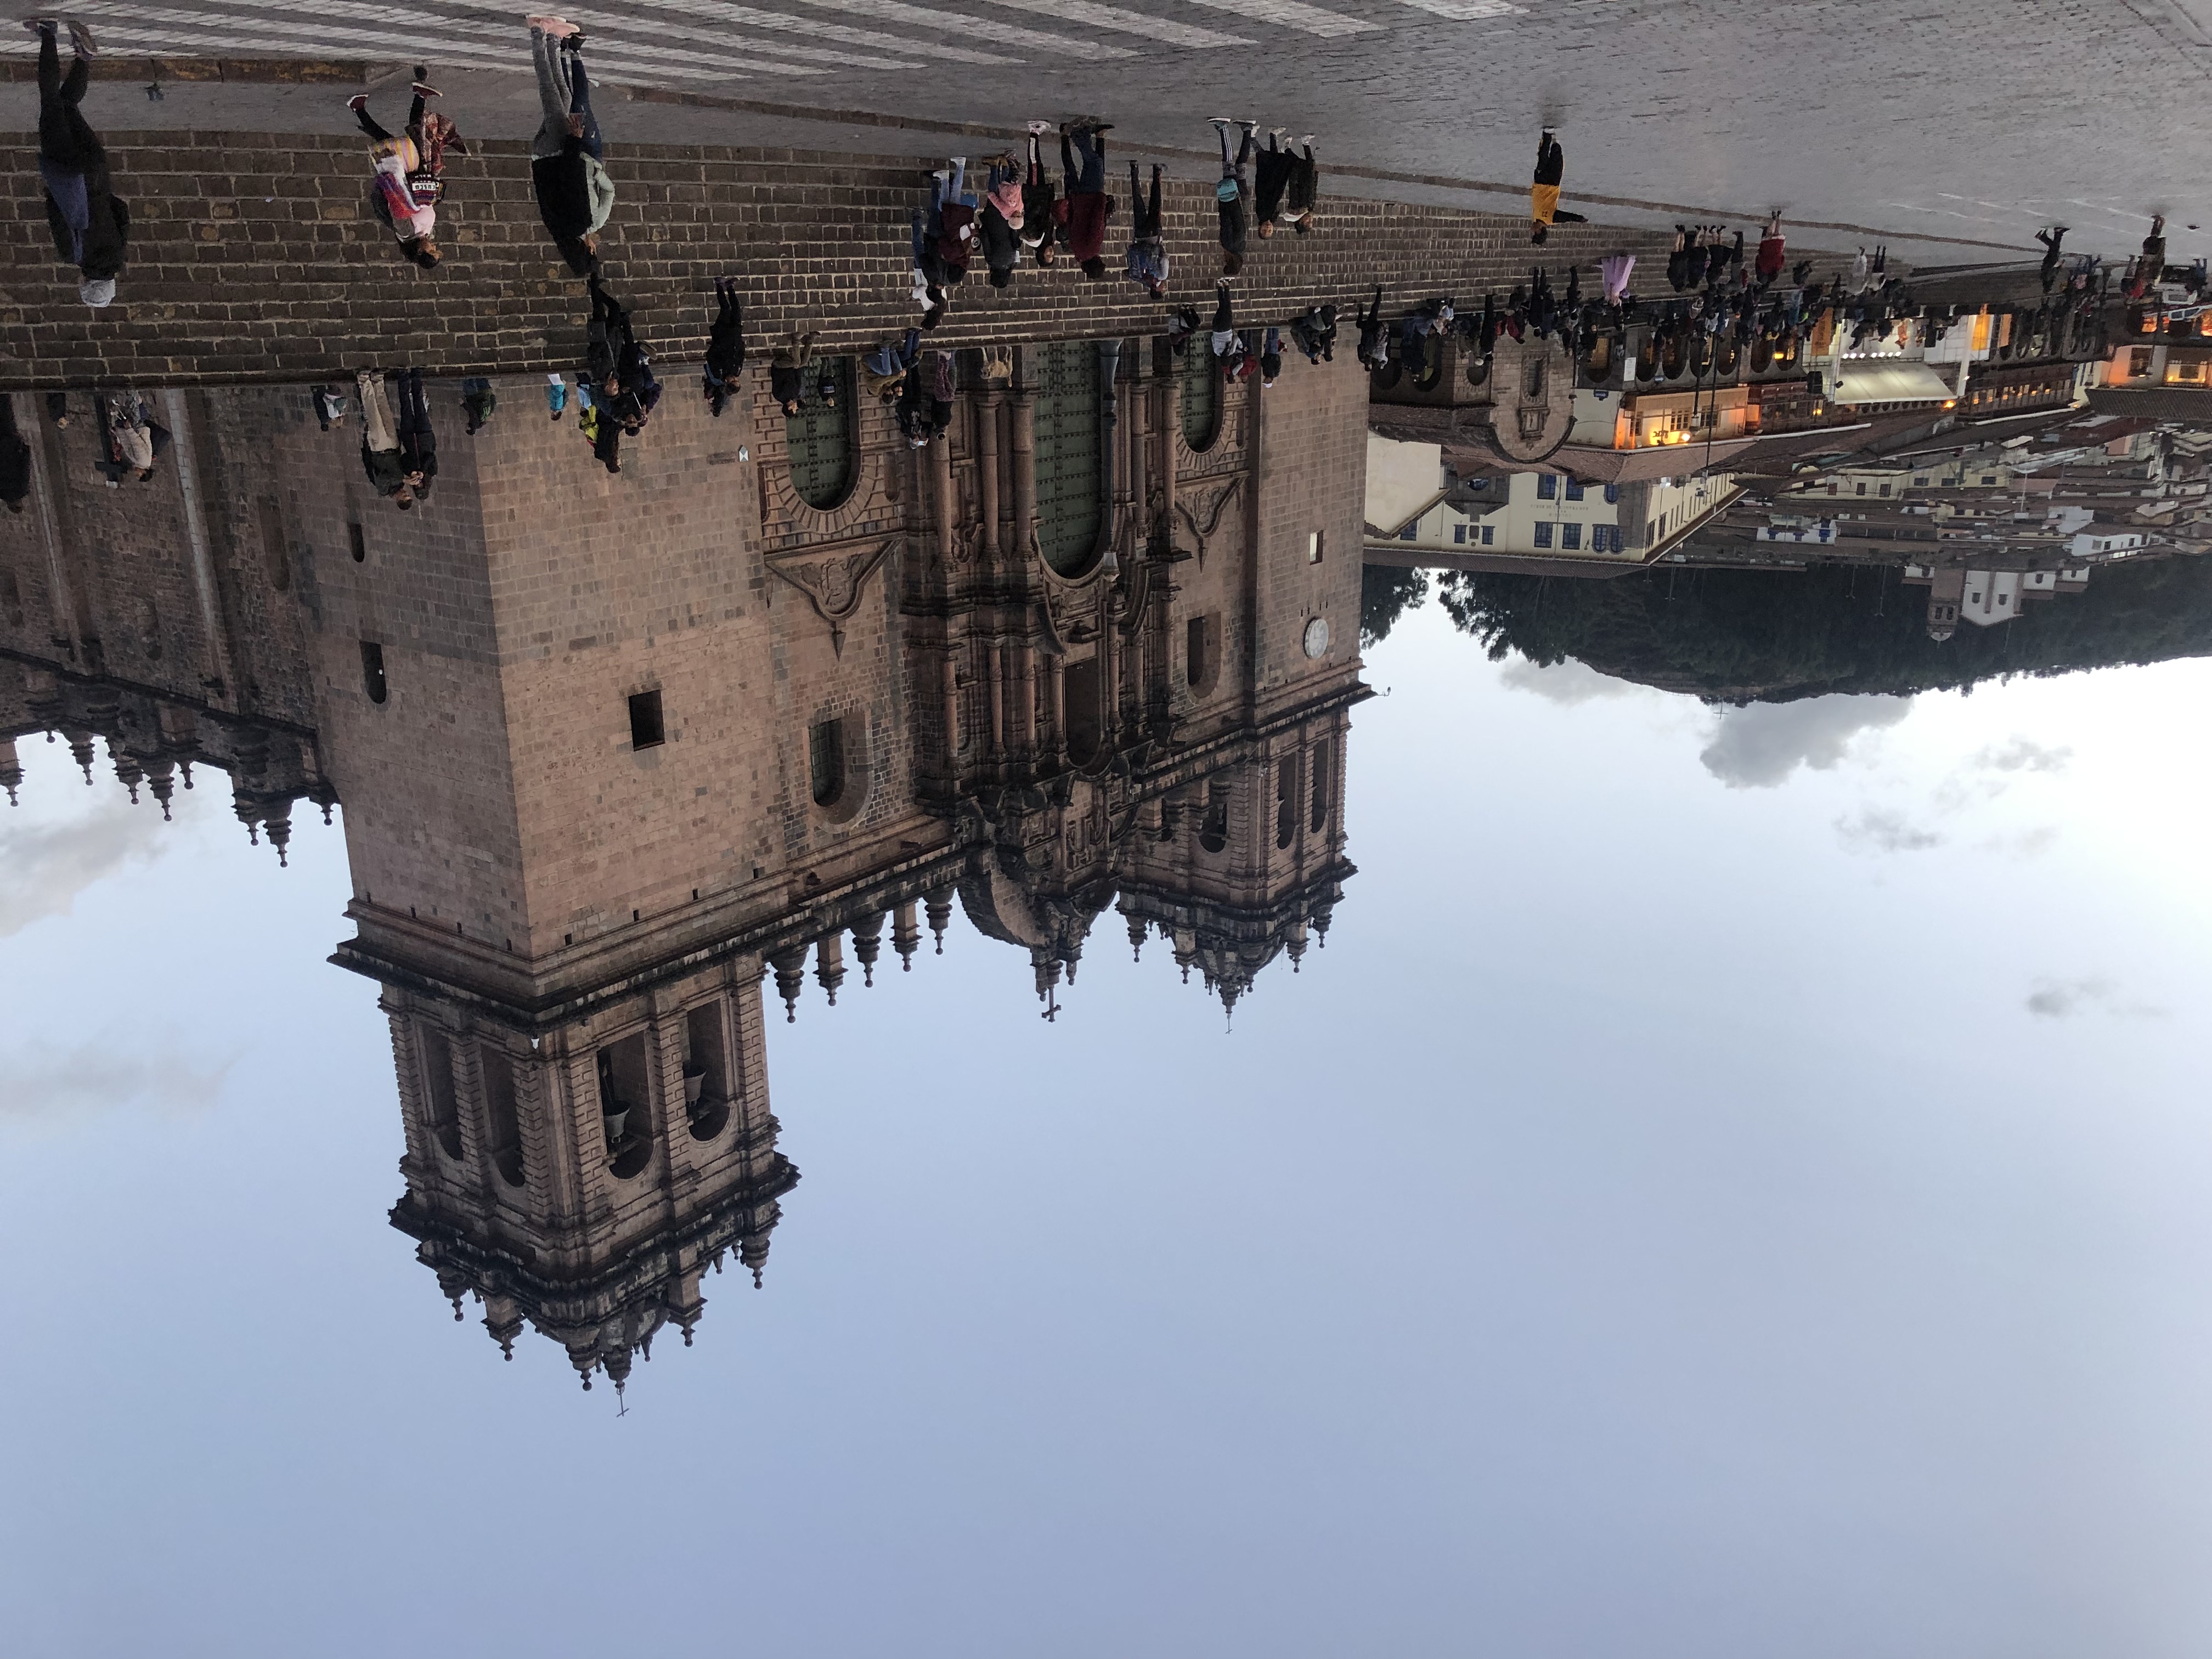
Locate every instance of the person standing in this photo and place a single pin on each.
(479, 401)
(1233, 195)
(952, 219)
(1615, 271)
(379, 443)
(1771, 253)
(1003, 218)
(1040, 212)
(91, 224)
(1374, 333)
(418, 446)
(574, 195)
(1306, 189)
(1087, 207)
(399, 164)
(136, 440)
(787, 371)
(1273, 167)
(556, 395)
(1544, 210)
(726, 346)
(1148, 253)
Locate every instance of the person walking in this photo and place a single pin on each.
(418, 446)
(1087, 207)
(330, 406)
(726, 346)
(1148, 253)
(2051, 240)
(14, 458)
(1003, 218)
(379, 443)
(1040, 212)
(1233, 195)
(556, 395)
(574, 195)
(91, 224)
(1544, 210)
(409, 171)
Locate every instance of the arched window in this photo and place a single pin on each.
(626, 1105)
(1202, 652)
(821, 436)
(439, 1114)
(1201, 396)
(1286, 803)
(503, 1125)
(1213, 829)
(1065, 414)
(371, 671)
(825, 760)
(705, 1071)
(1324, 760)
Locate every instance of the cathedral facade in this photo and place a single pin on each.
(627, 761)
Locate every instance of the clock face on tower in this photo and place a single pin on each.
(1317, 637)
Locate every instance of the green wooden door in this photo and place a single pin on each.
(1066, 417)
(821, 436)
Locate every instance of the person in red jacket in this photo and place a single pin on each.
(1087, 207)
(952, 218)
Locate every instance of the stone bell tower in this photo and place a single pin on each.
(588, 1179)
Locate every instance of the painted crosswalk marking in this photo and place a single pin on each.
(1293, 15)
(780, 22)
(898, 11)
(1128, 22)
(1467, 11)
(222, 30)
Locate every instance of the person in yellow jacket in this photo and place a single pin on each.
(1544, 208)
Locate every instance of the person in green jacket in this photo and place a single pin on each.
(574, 195)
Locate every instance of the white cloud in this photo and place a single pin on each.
(2023, 755)
(46, 1083)
(48, 865)
(1760, 745)
(2062, 999)
(1568, 683)
(1878, 831)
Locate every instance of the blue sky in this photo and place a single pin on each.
(1733, 1184)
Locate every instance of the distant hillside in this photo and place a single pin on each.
(1765, 636)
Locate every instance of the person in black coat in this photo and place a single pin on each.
(91, 224)
(726, 345)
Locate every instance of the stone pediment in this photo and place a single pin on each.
(833, 579)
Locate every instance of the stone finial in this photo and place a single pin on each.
(829, 963)
(906, 934)
(938, 907)
(868, 945)
(790, 965)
